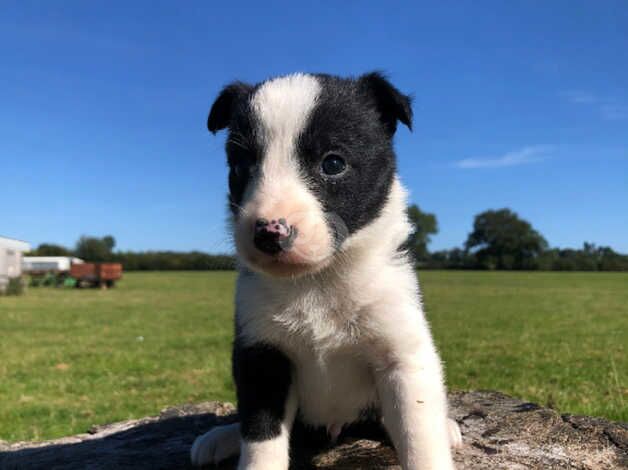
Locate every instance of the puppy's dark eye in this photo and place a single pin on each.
(242, 169)
(238, 171)
(333, 165)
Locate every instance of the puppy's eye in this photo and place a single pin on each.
(333, 165)
(243, 169)
(238, 170)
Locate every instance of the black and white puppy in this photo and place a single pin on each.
(329, 320)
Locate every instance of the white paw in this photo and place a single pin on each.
(216, 445)
(455, 437)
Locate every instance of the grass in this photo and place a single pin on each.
(73, 358)
(558, 339)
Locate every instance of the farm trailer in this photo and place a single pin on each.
(102, 275)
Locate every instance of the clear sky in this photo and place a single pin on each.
(517, 104)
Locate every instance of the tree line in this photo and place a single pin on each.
(499, 240)
(96, 249)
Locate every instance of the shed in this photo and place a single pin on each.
(11, 260)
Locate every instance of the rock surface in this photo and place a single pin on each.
(499, 432)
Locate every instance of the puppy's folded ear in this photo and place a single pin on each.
(392, 105)
(222, 109)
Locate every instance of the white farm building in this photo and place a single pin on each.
(52, 264)
(11, 260)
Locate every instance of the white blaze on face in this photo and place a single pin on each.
(282, 107)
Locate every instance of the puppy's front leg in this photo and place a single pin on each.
(414, 411)
(266, 405)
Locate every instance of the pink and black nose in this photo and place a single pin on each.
(272, 237)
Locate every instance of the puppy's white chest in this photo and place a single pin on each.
(327, 334)
(333, 390)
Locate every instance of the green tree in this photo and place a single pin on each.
(94, 248)
(501, 240)
(424, 225)
(50, 249)
(109, 242)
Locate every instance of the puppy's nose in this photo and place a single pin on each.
(273, 236)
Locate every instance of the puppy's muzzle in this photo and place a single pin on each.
(273, 237)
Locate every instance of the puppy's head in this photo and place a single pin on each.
(311, 163)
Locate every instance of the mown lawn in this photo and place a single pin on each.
(73, 358)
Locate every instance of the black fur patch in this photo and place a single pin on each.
(307, 441)
(262, 377)
(232, 109)
(347, 121)
(228, 103)
(243, 154)
(355, 118)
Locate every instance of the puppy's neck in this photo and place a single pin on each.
(382, 237)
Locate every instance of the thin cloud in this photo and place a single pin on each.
(579, 97)
(524, 156)
(608, 109)
(614, 112)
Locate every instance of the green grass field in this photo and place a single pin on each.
(72, 358)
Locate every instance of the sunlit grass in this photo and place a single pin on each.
(73, 358)
(554, 338)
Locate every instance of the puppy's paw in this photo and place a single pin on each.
(455, 437)
(216, 445)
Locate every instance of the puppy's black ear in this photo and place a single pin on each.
(392, 105)
(222, 109)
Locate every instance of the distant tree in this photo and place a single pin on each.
(173, 260)
(501, 240)
(50, 249)
(109, 242)
(94, 248)
(455, 258)
(424, 225)
(609, 260)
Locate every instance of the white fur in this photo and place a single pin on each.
(455, 436)
(223, 442)
(353, 326)
(282, 107)
(356, 335)
(216, 445)
(273, 453)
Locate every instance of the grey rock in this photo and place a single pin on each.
(499, 432)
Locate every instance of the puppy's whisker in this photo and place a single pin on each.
(238, 135)
(237, 143)
(242, 209)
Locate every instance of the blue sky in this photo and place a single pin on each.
(517, 104)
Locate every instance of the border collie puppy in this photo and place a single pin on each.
(329, 323)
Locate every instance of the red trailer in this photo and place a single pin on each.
(96, 274)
